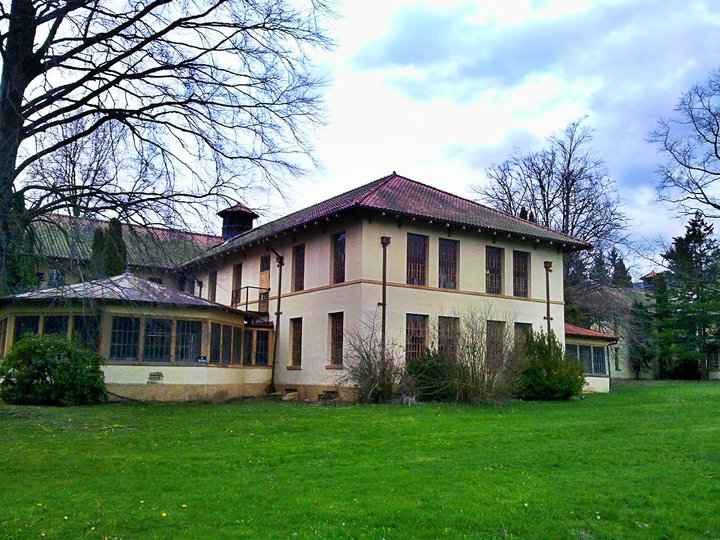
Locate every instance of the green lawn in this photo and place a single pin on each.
(641, 463)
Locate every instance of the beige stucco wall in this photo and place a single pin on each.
(359, 295)
(597, 385)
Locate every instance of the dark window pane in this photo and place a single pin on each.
(157, 340)
(215, 334)
(449, 250)
(155, 279)
(265, 263)
(262, 348)
(599, 367)
(415, 335)
(522, 334)
(448, 336)
(124, 338)
(56, 324)
(247, 358)
(495, 341)
(417, 252)
(188, 341)
(521, 273)
(493, 270)
(212, 285)
(299, 268)
(27, 324)
(86, 331)
(226, 343)
(237, 345)
(295, 342)
(586, 358)
(338, 269)
(336, 339)
(3, 336)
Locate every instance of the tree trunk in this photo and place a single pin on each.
(20, 66)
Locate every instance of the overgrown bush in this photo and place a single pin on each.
(377, 377)
(549, 374)
(431, 377)
(50, 370)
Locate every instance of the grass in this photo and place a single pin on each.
(643, 462)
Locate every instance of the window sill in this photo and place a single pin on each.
(294, 368)
(334, 366)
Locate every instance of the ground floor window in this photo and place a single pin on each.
(158, 333)
(262, 348)
(495, 340)
(125, 338)
(522, 332)
(296, 342)
(86, 331)
(215, 341)
(188, 341)
(713, 360)
(592, 358)
(3, 336)
(26, 324)
(56, 324)
(448, 329)
(415, 335)
(336, 338)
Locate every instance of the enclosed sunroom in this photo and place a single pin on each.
(159, 343)
(592, 349)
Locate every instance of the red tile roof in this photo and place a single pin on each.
(239, 207)
(572, 330)
(401, 196)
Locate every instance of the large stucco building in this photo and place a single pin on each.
(317, 275)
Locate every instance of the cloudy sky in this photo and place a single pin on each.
(440, 90)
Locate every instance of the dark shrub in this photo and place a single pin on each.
(431, 377)
(686, 367)
(50, 370)
(548, 373)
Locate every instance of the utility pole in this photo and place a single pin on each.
(384, 242)
(548, 269)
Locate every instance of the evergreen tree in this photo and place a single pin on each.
(620, 277)
(664, 333)
(109, 252)
(641, 339)
(599, 274)
(692, 287)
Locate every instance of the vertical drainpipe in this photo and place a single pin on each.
(384, 242)
(548, 269)
(280, 263)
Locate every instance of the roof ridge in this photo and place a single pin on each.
(134, 225)
(380, 183)
(491, 209)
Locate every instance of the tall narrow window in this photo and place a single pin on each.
(236, 284)
(296, 342)
(247, 355)
(212, 285)
(417, 253)
(237, 333)
(599, 365)
(188, 341)
(415, 335)
(522, 333)
(521, 273)
(448, 264)
(493, 270)
(448, 336)
(298, 268)
(226, 348)
(336, 339)
(215, 341)
(264, 292)
(3, 336)
(586, 357)
(495, 341)
(124, 338)
(157, 340)
(338, 267)
(571, 351)
(262, 348)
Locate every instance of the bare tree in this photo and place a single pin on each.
(565, 186)
(690, 142)
(209, 95)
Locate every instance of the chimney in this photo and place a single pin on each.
(237, 220)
